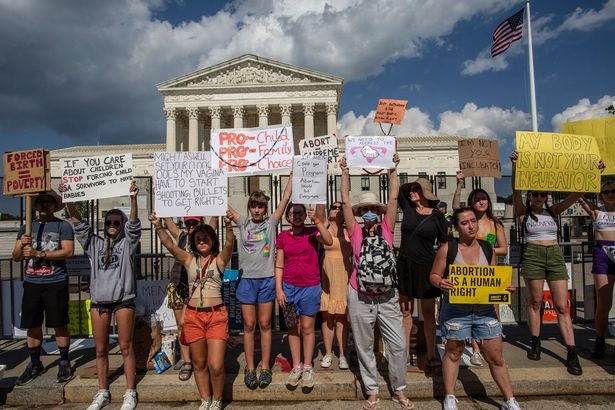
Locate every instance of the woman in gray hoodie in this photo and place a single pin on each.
(112, 290)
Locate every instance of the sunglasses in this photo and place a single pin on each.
(115, 223)
(539, 194)
(368, 208)
(191, 224)
(334, 207)
(608, 191)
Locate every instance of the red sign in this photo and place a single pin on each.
(549, 314)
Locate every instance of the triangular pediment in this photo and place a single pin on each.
(249, 70)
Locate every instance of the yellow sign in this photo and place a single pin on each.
(603, 129)
(80, 321)
(484, 285)
(557, 162)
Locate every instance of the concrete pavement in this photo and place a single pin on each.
(542, 378)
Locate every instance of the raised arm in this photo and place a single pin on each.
(566, 203)
(172, 228)
(457, 195)
(73, 212)
(213, 222)
(501, 245)
(589, 207)
(325, 236)
(134, 205)
(178, 253)
(518, 206)
(232, 214)
(288, 190)
(391, 212)
(345, 188)
(227, 249)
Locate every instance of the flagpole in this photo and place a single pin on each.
(530, 60)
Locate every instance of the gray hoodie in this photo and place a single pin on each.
(116, 282)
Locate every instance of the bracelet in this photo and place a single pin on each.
(316, 221)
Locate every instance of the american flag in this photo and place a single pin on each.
(507, 32)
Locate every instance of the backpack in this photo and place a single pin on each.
(377, 268)
(453, 247)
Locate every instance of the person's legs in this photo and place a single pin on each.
(100, 331)
(215, 364)
(125, 319)
(534, 304)
(406, 311)
(559, 293)
(492, 352)
(428, 308)
(307, 334)
(179, 320)
(328, 329)
(604, 301)
(248, 313)
(450, 364)
(198, 353)
(265, 311)
(341, 333)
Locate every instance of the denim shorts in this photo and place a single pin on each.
(305, 299)
(253, 291)
(602, 264)
(462, 322)
(113, 306)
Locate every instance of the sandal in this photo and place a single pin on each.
(404, 402)
(249, 378)
(186, 371)
(371, 405)
(264, 379)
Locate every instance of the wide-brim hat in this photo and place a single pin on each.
(52, 194)
(369, 199)
(425, 187)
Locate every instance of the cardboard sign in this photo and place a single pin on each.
(485, 285)
(603, 129)
(186, 185)
(479, 158)
(309, 180)
(79, 319)
(103, 176)
(25, 172)
(243, 151)
(557, 162)
(152, 298)
(370, 151)
(390, 111)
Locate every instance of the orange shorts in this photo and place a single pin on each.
(212, 324)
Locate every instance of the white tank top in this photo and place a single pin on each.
(605, 221)
(543, 229)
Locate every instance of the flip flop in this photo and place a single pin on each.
(404, 402)
(186, 371)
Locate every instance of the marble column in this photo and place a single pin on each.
(263, 115)
(215, 112)
(308, 120)
(171, 129)
(238, 112)
(331, 118)
(286, 110)
(193, 128)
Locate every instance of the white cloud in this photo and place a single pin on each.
(583, 110)
(484, 62)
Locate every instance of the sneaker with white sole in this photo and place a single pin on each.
(511, 404)
(343, 364)
(307, 378)
(450, 402)
(294, 376)
(101, 399)
(477, 359)
(205, 404)
(130, 400)
(216, 404)
(326, 361)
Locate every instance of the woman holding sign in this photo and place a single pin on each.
(543, 260)
(460, 321)
(205, 327)
(112, 291)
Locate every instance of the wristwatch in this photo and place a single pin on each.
(42, 254)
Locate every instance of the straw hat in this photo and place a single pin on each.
(368, 199)
(53, 195)
(425, 187)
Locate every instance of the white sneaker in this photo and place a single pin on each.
(216, 404)
(101, 399)
(307, 378)
(477, 359)
(294, 376)
(511, 404)
(130, 400)
(326, 361)
(205, 404)
(450, 402)
(343, 364)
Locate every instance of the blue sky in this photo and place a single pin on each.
(84, 72)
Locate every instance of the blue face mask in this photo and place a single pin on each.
(370, 216)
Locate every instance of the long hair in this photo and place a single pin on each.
(489, 212)
(211, 233)
(110, 243)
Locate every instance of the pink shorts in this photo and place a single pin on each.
(205, 324)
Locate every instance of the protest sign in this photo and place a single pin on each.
(103, 176)
(479, 157)
(252, 150)
(79, 319)
(25, 172)
(309, 180)
(474, 284)
(557, 162)
(152, 299)
(186, 185)
(603, 130)
(370, 151)
(390, 111)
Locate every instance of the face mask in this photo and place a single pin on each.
(370, 216)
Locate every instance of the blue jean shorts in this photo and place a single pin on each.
(253, 291)
(462, 322)
(305, 299)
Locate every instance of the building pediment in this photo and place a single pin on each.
(249, 70)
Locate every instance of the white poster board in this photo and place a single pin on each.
(152, 298)
(10, 326)
(186, 185)
(370, 151)
(247, 151)
(102, 176)
(323, 146)
(309, 180)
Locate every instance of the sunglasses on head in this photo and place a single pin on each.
(334, 207)
(114, 223)
(608, 191)
(539, 194)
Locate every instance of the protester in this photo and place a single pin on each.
(422, 227)
(112, 292)
(443, 209)
(490, 229)
(542, 260)
(205, 327)
(297, 283)
(45, 284)
(336, 269)
(377, 302)
(460, 322)
(603, 219)
(177, 289)
(256, 287)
